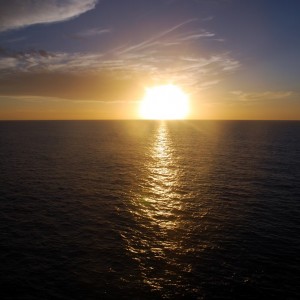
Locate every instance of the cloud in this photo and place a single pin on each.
(197, 36)
(91, 32)
(153, 41)
(158, 59)
(208, 19)
(21, 13)
(97, 76)
(261, 96)
(89, 75)
(67, 76)
(14, 40)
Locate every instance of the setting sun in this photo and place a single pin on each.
(165, 102)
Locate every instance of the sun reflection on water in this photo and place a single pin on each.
(155, 242)
(160, 199)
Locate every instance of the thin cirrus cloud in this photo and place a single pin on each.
(197, 36)
(93, 32)
(14, 40)
(261, 96)
(95, 76)
(86, 76)
(21, 13)
(155, 40)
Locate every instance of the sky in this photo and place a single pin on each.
(89, 59)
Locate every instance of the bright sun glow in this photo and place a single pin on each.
(165, 102)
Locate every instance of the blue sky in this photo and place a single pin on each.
(237, 59)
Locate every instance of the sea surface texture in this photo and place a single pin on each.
(150, 210)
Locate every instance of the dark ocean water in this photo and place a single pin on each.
(150, 210)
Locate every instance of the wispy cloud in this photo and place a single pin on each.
(196, 36)
(152, 41)
(14, 40)
(154, 60)
(8, 63)
(208, 19)
(17, 14)
(28, 69)
(91, 32)
(261, 96)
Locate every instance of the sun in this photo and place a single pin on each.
(164, 102)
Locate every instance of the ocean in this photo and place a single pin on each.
(150, 210)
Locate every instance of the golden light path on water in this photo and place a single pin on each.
(157, 210)
(163, 179)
